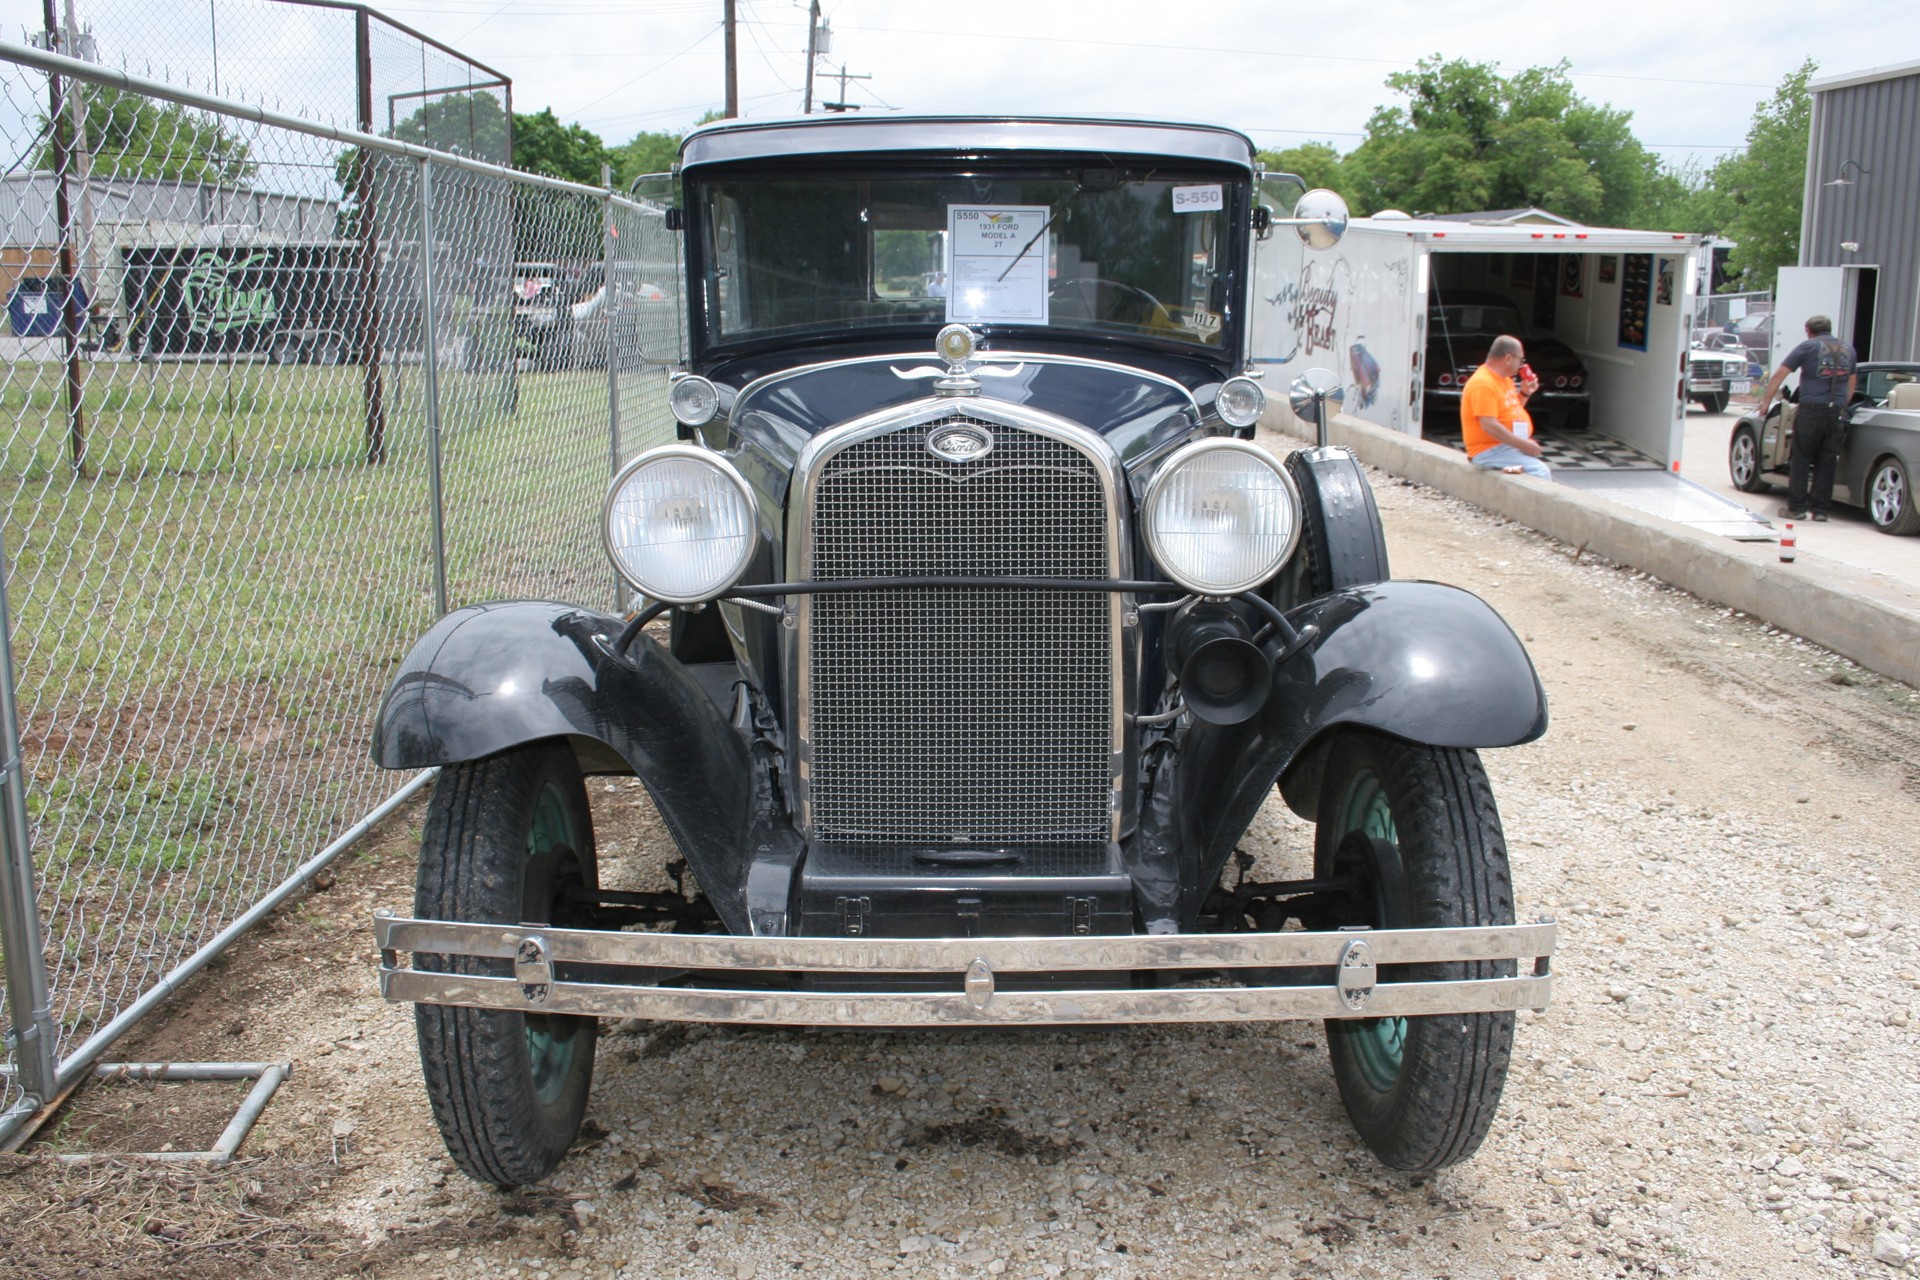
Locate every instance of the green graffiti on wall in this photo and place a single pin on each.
(214, 305)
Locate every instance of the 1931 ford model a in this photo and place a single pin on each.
(990, 631)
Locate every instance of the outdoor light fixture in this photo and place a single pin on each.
(1843, 180)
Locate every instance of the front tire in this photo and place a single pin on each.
(1890, 503)
(1418, 827)
(503, 838)
(1743, 460)
(1715, 403)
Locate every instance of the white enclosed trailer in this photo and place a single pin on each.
(1622, 300)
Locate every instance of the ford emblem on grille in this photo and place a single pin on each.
(963, 442)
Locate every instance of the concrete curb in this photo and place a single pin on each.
(1824, 602)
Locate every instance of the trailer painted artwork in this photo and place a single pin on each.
(1348, 309)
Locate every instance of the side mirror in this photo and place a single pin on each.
(1312, 391)
(1320, 217)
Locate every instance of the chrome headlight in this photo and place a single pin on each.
(680, 524)
(1240, 402)
(693, 400)
(1221, 517)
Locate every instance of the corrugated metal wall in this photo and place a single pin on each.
(1870, 135)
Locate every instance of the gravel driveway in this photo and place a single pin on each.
(1722, 818)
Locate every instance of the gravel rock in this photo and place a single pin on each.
(1724, 1086)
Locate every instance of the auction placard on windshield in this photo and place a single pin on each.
(997, 258)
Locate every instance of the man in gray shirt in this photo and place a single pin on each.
(1827, 378)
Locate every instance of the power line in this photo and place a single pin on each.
(761, 49)
(698, 40)
(1161, 46)
(632, 118)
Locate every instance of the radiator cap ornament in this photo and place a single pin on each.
(956, 344)
(959, 442)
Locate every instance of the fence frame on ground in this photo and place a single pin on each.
(39, 1073)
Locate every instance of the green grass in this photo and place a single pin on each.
(204, 620)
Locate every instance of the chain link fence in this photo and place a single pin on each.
(331, 62)
(273, 396)
(1717, 310)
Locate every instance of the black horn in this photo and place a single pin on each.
(1224, 677)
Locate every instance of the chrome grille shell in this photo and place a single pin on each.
(964, 716)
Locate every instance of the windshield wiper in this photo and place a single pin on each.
(1080, 188)
(1053, 218)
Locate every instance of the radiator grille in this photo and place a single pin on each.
(960, 716)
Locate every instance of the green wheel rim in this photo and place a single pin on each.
(549, 1040)
(1379, 1044)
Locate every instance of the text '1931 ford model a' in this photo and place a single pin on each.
(990, 631)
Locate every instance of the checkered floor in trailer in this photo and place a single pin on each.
(1575, 450)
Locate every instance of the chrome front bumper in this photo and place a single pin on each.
(1353, 955)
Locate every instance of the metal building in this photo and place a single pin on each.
(1860, 224)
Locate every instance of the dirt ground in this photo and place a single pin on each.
(1722, 818)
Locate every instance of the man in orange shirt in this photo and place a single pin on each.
(1493, 413)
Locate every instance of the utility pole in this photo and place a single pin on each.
(81, 153)
(843, 104)
(819, 41)
(733, 65)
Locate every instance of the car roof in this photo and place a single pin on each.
(731, 140)
(1473, 298)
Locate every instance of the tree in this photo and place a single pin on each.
(1469, 139)
(1315, 163)
(1754, 196)
(130, 136)
(646, 153)
(467, 124)
(649, 153)
(1681, 199)
(541, 144)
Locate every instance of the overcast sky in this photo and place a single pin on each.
(1690, 74)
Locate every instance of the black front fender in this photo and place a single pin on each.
(1418, 660)
(496, 676)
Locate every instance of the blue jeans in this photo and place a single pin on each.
(1505, 455)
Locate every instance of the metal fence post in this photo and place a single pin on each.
(430, 337)
(373, 383)
(21, 947)
(608, 234)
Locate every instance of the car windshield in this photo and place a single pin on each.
(1118, 251)
(1878, 384)
(1477, 317)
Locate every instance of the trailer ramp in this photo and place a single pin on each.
(1671, 497)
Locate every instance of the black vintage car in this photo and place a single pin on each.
(989, 630)
(1461, 326)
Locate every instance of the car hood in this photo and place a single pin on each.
(1137, 411)
(1450, 352)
